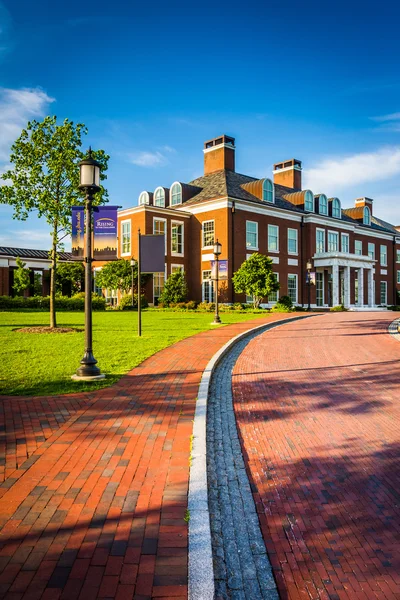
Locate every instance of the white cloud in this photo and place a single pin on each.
(148, 159)
(384, 118)
(344, 172)
(26, 238)
(16, 108)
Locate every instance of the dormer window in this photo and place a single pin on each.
(176, 194)
(159, 197)
(336, 208)
(309, 201)
(367, 216)
(268, 190)
(144, 198)
(323, 204)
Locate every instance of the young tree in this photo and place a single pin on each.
(255, 278)
(117, 275)
(22, 278)
(44, 178)
(175, 289)
(70, 274)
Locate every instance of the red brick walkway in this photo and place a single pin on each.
(97, 510)
(318, 409)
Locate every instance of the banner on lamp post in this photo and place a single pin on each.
(152, 253)
(78, 231)
(222, 269)
(105, 228)
(311, 278)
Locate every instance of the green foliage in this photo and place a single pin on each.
(22, 278)
(285, 301)
(126, 302)
(281, 308)
(339, 308)
(207, 306)
(175, 289)
(117, 275)
(76, 303)
(396, 308)
(255, 278)
(70, 275)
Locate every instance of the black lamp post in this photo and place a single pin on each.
(217, 254)
(89, 184)
(309, 267)
(133, 263)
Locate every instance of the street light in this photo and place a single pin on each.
(133, 263)
(217, 254)
(89, 184)
(309, 267)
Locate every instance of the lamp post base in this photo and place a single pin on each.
(88, 378)
(217, 321)
(88, 371)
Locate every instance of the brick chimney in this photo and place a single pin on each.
(364, 202)
(288, 173)
(219, 154)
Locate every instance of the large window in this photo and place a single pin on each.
(309, 201)
(366, 216)
(333, 241)
(398, 256)
(268, 190)
(323, 204)
(252, 235)
(371, 250)
(273, 297)
(160, 228)
(383, 292)
(176, 194)
(159, 197)
(177, 238)
(319, 283)
(273, 238)
(158, 285)
(144, 198)
(292, 241)
(207, 287)
(336, 208)
(383, 256)
(358, 247)
(208, 234)
(126, 237)
(398, 276)
(345, 242)
(320, 241)
(292, 288)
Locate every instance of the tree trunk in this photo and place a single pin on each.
(53, 270)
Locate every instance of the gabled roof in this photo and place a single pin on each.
(28, 253)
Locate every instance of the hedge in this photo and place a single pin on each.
(76, 303)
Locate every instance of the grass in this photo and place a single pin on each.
(41, 364)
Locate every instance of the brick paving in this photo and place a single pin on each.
(318, 412)
(97, 509)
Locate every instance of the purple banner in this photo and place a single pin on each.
(222, 269)
(78, 230)
(105, 229)
(152, 254)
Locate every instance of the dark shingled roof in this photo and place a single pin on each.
(28, 253)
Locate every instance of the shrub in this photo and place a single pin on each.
(76, 303)
(126, 302)
(207, 306)
(339, 308)
(285, 301)
(175, 289)
(281, 308)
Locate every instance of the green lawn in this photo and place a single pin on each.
(41, 364)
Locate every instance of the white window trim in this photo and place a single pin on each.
(277, 239)
(165, 277)
(122, 237)
(273, 191)
(170, 193)
(372, 244)
(252, 247)
(160, 187)
(166, 231)
(181, 267)
(380, 255)
(297, 286)
(277, 293)
(335, 233)
(147, 199)
(183, 238)
(316, 239)
(397, 256)
(360, 241)
(398, 276)
(297, 242)
(202, 234)
(380, 293)
(344, 235)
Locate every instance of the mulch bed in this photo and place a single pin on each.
(49, 330)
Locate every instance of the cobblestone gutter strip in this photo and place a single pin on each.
(234, 484)
(394, 329)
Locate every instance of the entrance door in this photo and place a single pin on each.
(320, 288)
(330, 296)
(341, 288)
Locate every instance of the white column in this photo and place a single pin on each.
(361, 286)
(346, 287)
(335, 285)
(371, 299)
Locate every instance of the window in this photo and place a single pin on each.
(268, 190)
(384, 256)
(398, 276)
(207, 288)
(292, 241)
(160, 228)
(159, 197)
(309, 201)
(176, 194)
(111, 297)
(126, 237)
(273, 298)
(319, 284)
(366, 216)
(320, 245)
(208, 234)
(358, 247)
(252, 235)
(323, 204)
(292, 288)
(333, 241)
(371, 250)
(345, 242)
(383, 292)
(398, 256)
(144, 198)
(177, 238)
(175, 268)
(336, 208)
(273, 238)
(158, 285)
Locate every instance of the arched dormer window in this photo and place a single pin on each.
(309, 201)
(144, 198)
(367, 216)
(336, 208)
(176, 194)
(268, 190)
(159, 197)
(323, 204)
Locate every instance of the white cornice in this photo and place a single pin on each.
(153, 209)
(206, 150)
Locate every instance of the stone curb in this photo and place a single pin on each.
(394, 329)
(201, 572)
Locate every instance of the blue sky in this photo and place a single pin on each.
(153, 81)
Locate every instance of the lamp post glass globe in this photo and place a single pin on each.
(217, 248)
(89, 175)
